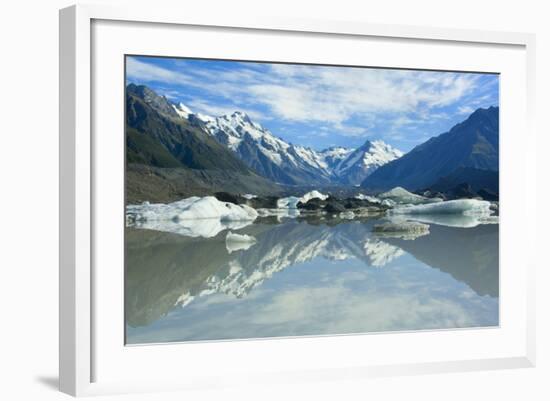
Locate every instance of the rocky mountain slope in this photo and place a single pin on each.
(472, 143)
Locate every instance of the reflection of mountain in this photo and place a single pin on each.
(164, 269)
(469, 255)
(162, 266)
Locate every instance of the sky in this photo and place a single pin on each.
(322, 106)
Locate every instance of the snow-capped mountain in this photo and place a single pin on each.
(280, 161)
(265, 153)
(334, 155)
(364, 160)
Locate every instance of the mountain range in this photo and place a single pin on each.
(186, 140)
(173, 152)
(286, 163)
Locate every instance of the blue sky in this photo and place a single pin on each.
(322, 106)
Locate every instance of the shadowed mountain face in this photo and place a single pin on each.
(472, 143)
(169, 159)
(157, 137)
(164, 270)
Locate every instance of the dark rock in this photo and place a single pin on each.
(334, 206)
(227, 197)
(487, 195)
(263, 202)
(312, 204)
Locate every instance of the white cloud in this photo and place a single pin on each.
(465, 110)
(330, 96)
(147, 72)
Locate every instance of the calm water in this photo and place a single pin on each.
(303, 278)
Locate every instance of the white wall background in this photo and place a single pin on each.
(29, 211)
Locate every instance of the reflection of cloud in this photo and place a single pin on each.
(316, 273)
(333, 300)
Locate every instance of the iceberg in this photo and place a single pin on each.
(291, 202)
(237, 242)
(194, 217)
(468, 207)
(402, 196)
(462, 213)
(371, 199)
(407, 230)
(447, 220)
(349, 215)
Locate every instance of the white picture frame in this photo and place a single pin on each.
(79, 215)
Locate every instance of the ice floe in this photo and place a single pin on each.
(349, 215)
(468, 207)
(194, 217)
(401, 196)
(408, 230)
(462, 213)
(238, 242)
(371, 199)
(291, 202)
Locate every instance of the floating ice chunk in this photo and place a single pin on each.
(238, 242)
(448, 220)
(403, 229)
(189, 209)
(249, 196)
(489, 220)
(401, 195)
(194, 217)
(291, 202)
(371, 199)
(242, 238)
(313, 195)
(290, 213)
(468, 207)
(347, 215)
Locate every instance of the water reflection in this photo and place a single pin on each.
(307, 278)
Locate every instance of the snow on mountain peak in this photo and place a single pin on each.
(182, 110)
(362, 161)
(258, 147)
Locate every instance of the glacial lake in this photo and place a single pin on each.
(304, 278)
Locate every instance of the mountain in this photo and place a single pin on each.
(265, 153)
(471, 143)
(334, 155)
(363, 161)
(158, 138)
(477, 182)
(286, 163)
